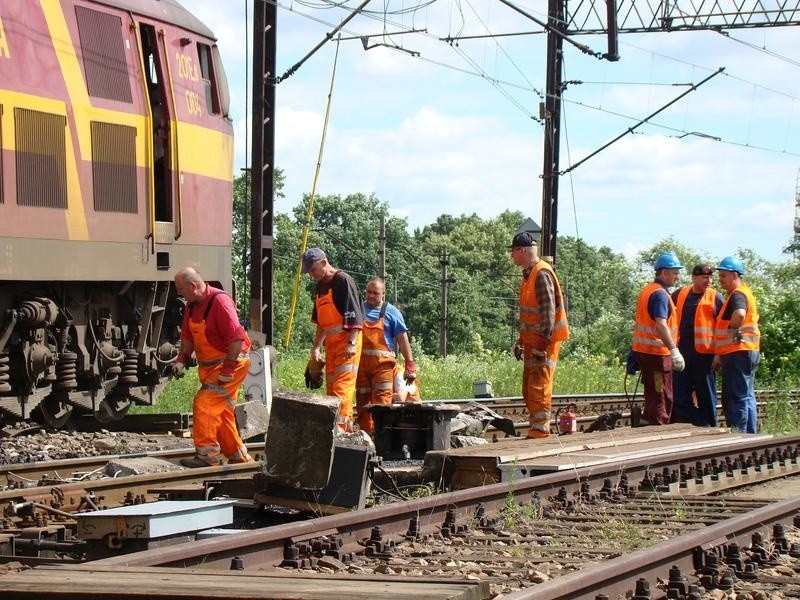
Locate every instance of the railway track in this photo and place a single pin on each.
(59, 489)
(616, 408)
(561, 535)
(536, 538)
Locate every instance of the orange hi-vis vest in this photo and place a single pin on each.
(340, 370)
(645, 335)
(530, 318)
(704, 319)
(374, 343)
(329, 319)
(724, 340)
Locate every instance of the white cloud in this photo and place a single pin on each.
(429, 139)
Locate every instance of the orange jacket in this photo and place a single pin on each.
(724, 340)
(529, 315)
(645, 335)
(704, 319)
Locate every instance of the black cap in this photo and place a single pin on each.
(702, 270)
(311, 256)
(523, 239)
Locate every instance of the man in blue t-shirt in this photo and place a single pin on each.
(384, 333)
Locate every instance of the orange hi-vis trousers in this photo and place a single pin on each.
(375, 378)
(537, 388)
(214, 423)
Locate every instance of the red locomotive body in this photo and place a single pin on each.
(116, 154)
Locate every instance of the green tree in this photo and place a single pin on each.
(600, 291)
(240, 241)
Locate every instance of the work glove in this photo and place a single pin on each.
(226, 374)
(410, 374)
(178, 368)
(678, 364)
(631, 365)
(519, 350)
(314, 371)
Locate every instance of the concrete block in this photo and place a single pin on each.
(139, 466)
(300, 439)
(252, 420)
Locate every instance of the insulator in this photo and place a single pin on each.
(130, 367)
(66, 371)
(37, 312)
(5, 375)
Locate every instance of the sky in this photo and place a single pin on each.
(432, 127)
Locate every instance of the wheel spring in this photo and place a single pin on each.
(66, 370)
(5, 386)
(130, 366)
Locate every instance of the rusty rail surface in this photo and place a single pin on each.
(266, 548)
(64, 471)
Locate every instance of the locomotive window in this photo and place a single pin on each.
(103, 52)
(222, 83)
(41, 158)
(114, 167)
(207, 73)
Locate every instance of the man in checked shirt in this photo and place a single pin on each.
(542, 328)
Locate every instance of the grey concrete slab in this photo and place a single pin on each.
(300, 439)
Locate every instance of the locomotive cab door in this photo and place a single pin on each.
(166, 225)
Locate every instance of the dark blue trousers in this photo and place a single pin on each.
(697, 377)
(738, 390)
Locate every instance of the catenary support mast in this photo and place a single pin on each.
(263, 168)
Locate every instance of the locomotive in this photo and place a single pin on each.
(116, 167)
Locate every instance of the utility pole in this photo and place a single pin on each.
(795, 245)
(444, 261)
(551, 115)
(262, 171)
(382, 249)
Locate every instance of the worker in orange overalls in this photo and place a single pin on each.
(384, 333)
(339, 319)
(211, 330)
(543, 327)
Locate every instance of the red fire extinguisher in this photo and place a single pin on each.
(568, 420)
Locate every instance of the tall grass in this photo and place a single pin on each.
(454, 376)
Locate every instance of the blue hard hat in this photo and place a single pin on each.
(730, 263)
(667, 261)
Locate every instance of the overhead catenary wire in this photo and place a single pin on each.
(328, 36)
(641, 122)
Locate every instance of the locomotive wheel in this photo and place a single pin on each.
(113, 408)
(53, 412)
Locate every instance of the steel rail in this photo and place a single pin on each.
(619, 575)
(264, 548)
(71, 496)
(61, 472)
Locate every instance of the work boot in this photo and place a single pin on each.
(248, 459)
(196, 463)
